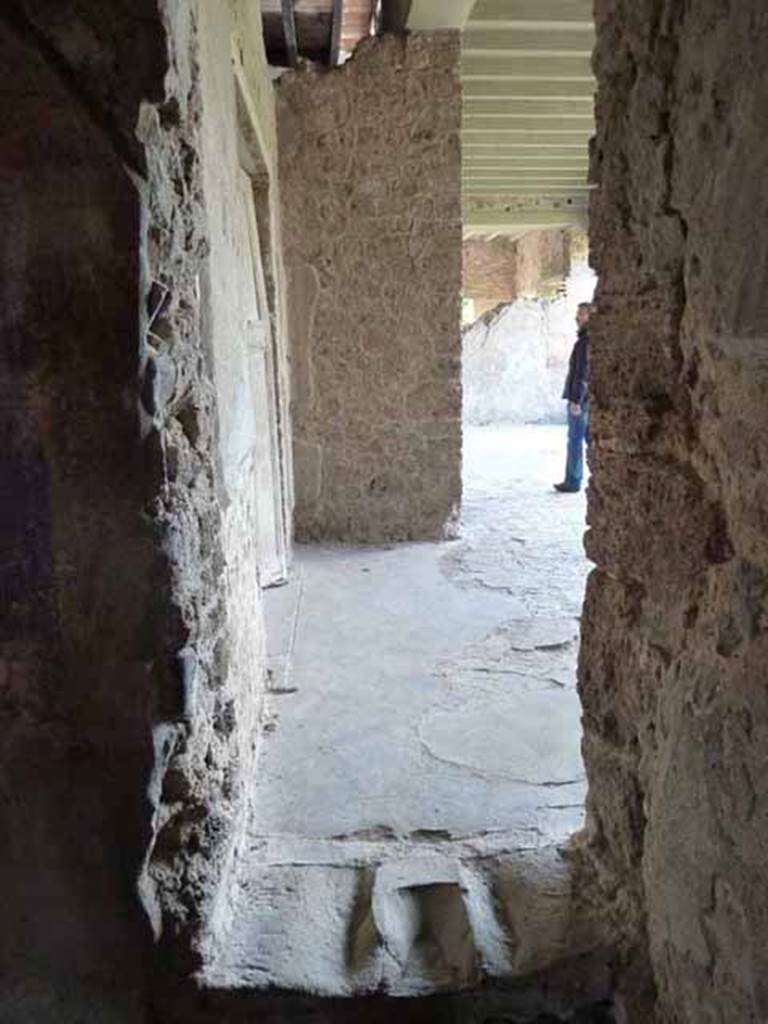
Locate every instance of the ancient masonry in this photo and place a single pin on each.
(501, 269)
(373, 256)
(675, 635)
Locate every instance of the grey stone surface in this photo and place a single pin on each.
(425, 723)
(423, 673)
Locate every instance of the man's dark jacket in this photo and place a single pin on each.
(575, 389)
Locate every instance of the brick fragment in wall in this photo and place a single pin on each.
(674, 633)
(370, 189)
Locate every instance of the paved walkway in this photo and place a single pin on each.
(423, 699)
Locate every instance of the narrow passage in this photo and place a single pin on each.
(424, 716)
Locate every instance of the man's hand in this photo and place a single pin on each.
(575, 408)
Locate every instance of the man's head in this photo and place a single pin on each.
(582, 313)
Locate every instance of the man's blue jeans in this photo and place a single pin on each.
(578, 433)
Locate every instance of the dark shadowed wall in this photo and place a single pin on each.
(78, 628)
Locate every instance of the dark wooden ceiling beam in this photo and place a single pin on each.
(337, 19)
(289, 33)
(394, 15)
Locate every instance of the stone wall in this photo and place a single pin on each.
(77, 633)
(210, 432)
(501, 269)
(370, 183)
(131, 651)
(675, 641)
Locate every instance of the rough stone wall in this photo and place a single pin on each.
(675, 641)
(370, 184)
(501, 269)
(131, 647)
(489, 270)
(219, 759)
(543, 262)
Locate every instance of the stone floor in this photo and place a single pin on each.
(423, 750)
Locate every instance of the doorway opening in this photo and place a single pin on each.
(422, 746)
(520, 537)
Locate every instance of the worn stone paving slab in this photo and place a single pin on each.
(405, 660)
(360, 916)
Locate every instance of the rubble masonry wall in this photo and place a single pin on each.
(370, 185)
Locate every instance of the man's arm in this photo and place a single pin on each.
(578, 384)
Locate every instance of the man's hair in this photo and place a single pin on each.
(585, 305)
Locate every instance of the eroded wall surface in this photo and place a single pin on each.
(132, 640)
(500, 269)
(675, 641)
(209, 429)
(370, 185)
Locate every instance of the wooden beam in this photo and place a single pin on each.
(536, 162)
(528, 89)
(579, 125)
(506, 150)
(394, 15)
(525, 67)
(377, 17)
(337, 19)
(289, 33)
(498, 222)
(527, 138)
(523, 188)
(471, 177)
(533, 10)
(544, 108)
(534, 41)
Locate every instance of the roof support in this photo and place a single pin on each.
(289, 32)
(394, 15)
(337, 17)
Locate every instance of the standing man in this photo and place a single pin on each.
(575, 392)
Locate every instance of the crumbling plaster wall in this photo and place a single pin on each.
(216, 752)
(675, 642)
(133, 661)
(370, 182)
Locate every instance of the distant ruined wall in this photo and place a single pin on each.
(131, 644)
(501, 269)
(370, 185)
(675, 644)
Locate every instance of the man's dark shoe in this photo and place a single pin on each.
(566, 489)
